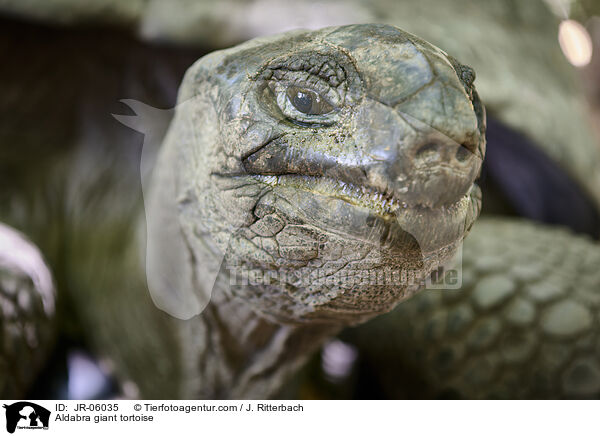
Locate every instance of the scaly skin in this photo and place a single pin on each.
(524, 324)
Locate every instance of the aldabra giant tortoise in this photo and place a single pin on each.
(314, 157)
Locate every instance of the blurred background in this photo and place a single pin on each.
(66, 64)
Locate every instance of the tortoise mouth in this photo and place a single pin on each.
(382, 203)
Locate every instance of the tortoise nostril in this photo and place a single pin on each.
(462, 153)
(428, 151)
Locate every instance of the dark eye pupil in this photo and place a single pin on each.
(307, 101)
(302, 101)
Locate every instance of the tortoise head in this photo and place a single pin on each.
(316, 161)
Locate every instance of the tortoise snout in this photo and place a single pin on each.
(428, 169)
(434, 170)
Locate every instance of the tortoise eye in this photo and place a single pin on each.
(307, 101)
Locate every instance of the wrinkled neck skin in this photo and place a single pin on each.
(244, 355)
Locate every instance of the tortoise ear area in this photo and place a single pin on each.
(534, 185)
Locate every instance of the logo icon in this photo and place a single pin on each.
(26, 415)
